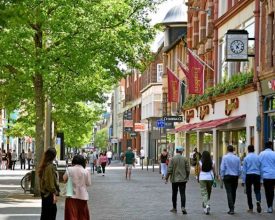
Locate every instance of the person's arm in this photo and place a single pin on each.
(244, 172)
(88, 180)
(222, 168)
(187, 167)
(169, 170)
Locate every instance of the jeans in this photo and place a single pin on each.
(92, 165)
(255, 180)
(269, 185)
(49, 209)
(181, 186)
(206, 188)
(231, 185)
(22, 163)
(29, 164)
(163, 169)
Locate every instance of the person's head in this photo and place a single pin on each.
(195, 149)
(268, 145)
(29, 149)
(206, 161)
(47, 157)
(79, 160)
(129, 148)
(23, 151)
(83, 150)
(230, 148)
(13, 150)
(250, 148)
(179, 149)
(164, 150)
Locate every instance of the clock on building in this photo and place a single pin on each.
(236, 45)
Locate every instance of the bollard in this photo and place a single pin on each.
(142, 164)
(153, 163)
(147, 163)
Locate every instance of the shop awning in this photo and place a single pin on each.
(218, 122)
(208, 124)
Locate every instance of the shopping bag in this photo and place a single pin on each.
(69, 186)
(98, 169)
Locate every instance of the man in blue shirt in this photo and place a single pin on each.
(252, 176)
(230, 172)
(267, 160)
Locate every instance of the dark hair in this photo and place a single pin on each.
(79, 160)
(230, 148)
(206, 161)
(48, 157)
(269, 144)
(250, 148)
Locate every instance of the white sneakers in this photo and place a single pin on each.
(207, 210)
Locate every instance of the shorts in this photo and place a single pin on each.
(129, 166)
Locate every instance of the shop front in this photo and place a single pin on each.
(230, 121)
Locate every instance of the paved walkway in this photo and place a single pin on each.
(145, 197)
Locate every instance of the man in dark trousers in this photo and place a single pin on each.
(178, 171)
(230, 172)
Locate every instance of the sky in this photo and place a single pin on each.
(159, 16)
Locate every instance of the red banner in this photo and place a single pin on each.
(173, 87)
(196, 70)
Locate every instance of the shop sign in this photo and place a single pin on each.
(230, 105)
(169, 125)
(128, 129)
(190, 114)
(173, 118)
(133, 134)
(128, 123)
(203, 111)
(139, 127)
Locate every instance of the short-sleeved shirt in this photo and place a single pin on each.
(129, 157)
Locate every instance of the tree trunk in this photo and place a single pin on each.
(39, 107)
(39, 131)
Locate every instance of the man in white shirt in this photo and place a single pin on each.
(109, 156)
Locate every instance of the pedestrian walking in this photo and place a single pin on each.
(129, 161)
(230, 172)
(76, 206)
(48, 185)
(109, 156)
(195, 161)
(267, 160)
(92, 161)
(9, 160)
(22, 158)
(1, 159)
(178, 171)
(4, 160)
(103, 162)
(163, 163)
(13, 159)
(29, 158)
(206, 178)
(251, 175)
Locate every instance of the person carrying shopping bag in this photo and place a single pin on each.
(76, 205)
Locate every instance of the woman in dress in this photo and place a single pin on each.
(48, 185)
(103, 159)
(76, 206)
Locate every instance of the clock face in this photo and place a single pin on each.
(237, 46)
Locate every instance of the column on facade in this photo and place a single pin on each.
(216, 149)
(187, 145)
(200, 141)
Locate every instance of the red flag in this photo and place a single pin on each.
(173, 86)
(196, 71)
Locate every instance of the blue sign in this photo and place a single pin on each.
(160, 123)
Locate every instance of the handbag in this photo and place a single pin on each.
(69, 186)
(214, 184)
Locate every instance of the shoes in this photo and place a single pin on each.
(269, 210)
(173, 210)
(231, 212)
(183, 211)
(250, 210)
(102, 174)
(206, 210)
(259, 208)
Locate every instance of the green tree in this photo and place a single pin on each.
(101, 139)
(68, 51)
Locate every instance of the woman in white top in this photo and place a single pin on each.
(76, 206)
(206, 177)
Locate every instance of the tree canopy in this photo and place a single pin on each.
(68, 52)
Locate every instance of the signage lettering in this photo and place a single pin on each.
(173, 118)
(230, 105)
(203, 111)
(190, 114)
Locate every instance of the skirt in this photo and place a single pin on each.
(76, 209)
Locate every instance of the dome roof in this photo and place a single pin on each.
(175, 15)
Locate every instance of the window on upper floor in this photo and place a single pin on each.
(159, 72)
(223, 6)
(270, 50)
(228, 69)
